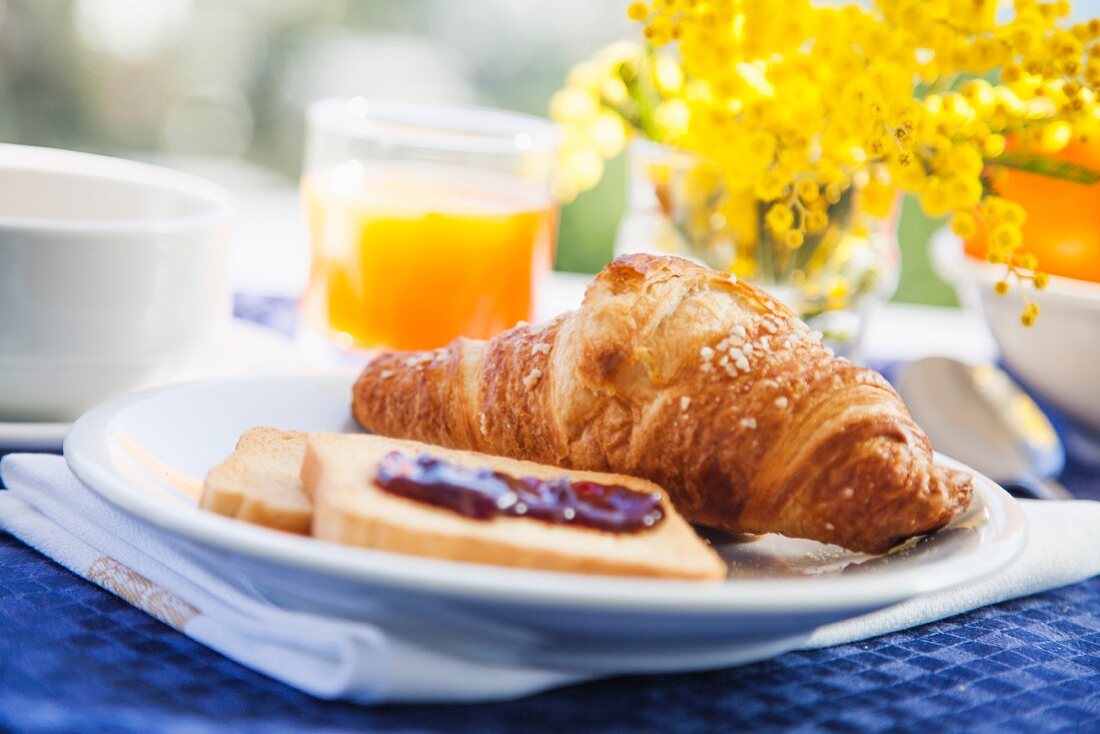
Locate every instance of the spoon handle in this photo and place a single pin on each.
(1043, 489)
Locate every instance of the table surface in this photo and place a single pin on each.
(75, 658)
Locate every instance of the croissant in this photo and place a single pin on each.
(692, 379)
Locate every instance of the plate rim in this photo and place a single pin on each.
(87, 453)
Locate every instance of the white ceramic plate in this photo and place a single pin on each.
(147, 453)
(243, 347)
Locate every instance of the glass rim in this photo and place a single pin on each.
(652, 150)
(453, 127)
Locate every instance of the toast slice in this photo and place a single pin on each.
(338, 472)
(259, 483)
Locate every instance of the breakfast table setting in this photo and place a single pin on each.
(82, 652)
(364, 459)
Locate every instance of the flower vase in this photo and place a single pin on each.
(832, 280)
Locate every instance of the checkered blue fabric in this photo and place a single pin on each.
(75, 658)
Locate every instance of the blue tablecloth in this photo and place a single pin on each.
(75, 658)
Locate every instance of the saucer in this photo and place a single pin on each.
(32, 436)
(242, 348)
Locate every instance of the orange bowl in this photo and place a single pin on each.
(1063, 218)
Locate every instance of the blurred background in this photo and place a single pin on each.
(218, 87)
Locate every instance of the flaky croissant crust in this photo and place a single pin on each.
(697, 381)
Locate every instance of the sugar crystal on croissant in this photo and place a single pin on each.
(697, 381)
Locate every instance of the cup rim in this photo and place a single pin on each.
(953, 265)
(218, 202)
(435, 125)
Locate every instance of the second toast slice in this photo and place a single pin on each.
(259, 483)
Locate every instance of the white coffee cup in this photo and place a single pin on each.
(112, 273)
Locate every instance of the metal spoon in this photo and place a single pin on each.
(980, 416)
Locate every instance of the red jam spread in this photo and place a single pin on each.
(482, 494)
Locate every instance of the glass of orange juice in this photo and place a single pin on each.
(426, 221)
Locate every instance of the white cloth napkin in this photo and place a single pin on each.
(49, 509)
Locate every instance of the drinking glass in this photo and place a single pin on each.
(426, 221)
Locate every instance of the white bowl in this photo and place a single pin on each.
(1058, 358)
(112, 273)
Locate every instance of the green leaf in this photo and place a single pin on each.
(1044, 166)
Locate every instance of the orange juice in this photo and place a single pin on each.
(409, 256)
